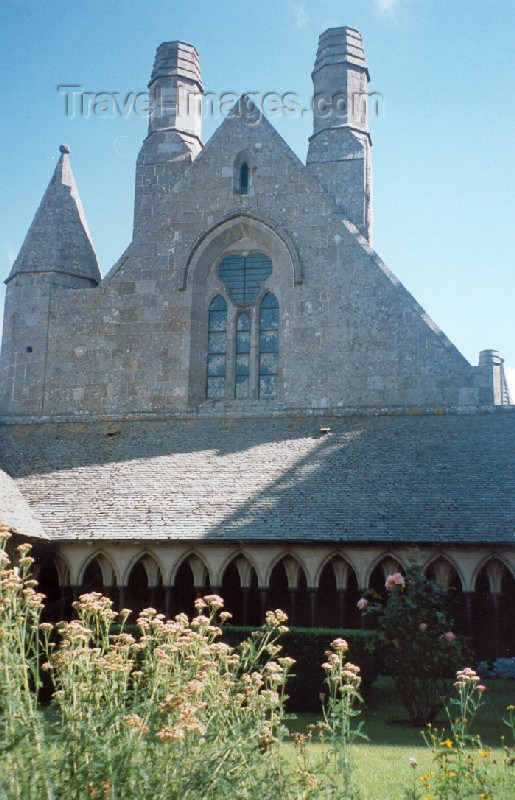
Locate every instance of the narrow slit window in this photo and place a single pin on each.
(268, 346)
(242, 356)
(244, 178)
(217, 348)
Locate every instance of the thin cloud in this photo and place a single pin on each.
(300, 15)
(10, 254)
(386, 7)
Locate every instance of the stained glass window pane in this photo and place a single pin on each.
(244, 178)
(217, 342)
(244, 275)
(242, 365)
(268, 364)
(267, 386)
(242, 387)
(268, 346)
(217, 348)
(216, 388)
(243, 323)
(268, 342)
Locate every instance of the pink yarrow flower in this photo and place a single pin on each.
(413, 762)
(362, 603)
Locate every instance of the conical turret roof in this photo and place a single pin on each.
(58, 239)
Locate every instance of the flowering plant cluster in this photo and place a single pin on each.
(170, 713)
(419, 648)
(462, 764)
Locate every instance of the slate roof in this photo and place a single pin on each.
(15, 513)
(428, 478)
(58, 239)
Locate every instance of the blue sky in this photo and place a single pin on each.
(444, 172)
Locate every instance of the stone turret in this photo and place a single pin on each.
(58, 241)
(339, 149)
(56, 257)
(174, 130)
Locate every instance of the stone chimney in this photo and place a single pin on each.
(339, 149)
(174, 129)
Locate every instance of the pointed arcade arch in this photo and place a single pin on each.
(494, 599)
(337, 594)
(240, 591)
(144, 584)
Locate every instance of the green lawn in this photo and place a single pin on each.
(382, 767)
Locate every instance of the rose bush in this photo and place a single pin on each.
(420, 650)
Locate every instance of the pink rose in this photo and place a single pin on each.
(449, 636)
(394, 580)
(362, 603)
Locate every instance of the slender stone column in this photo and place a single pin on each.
(245, 598)
(293, 597)
(62, 601)
(263, 591)
(343, 609)
(496, 601)
(312, 605)
(168, 601)
(469, 613)
(120, 600)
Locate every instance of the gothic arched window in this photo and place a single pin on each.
(217, 348)
(244, 178)
(242, 356)
(268, 346)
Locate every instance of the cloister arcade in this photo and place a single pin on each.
(315, 586)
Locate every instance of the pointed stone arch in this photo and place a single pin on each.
(144, 581)
(291, 570)
(441, 567)
(151, 564)
(199, 566)
(190, 578)
(245, 562)
(387, 563)
(243, 158)
(337, 592)
(494, 598)
(110, 576)
(491, 558)
(343, 574)
(239, 588)
(287, 587)
(229, 229)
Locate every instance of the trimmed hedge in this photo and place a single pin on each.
(307, 646)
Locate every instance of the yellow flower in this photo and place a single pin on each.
(484, 753)
(446, 743)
